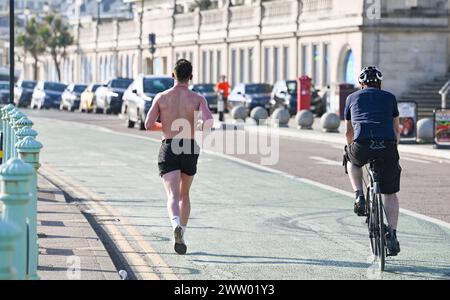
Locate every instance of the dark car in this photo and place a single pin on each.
(208, 91)
(138, 98)
(23, 92)
(108, 97)
(250, 96)
(47, 94)
(71, 97)
(285, 93)
(4, 92)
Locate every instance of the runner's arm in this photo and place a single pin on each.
(207, 117)
(152, 116)
(397, 129)
(349, 132)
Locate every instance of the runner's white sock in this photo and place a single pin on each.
(184, 228)
(175, 222)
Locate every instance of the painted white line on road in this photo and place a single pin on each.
(415, 160)
(325, 161)
(273, 171)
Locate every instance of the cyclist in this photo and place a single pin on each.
(373, 132)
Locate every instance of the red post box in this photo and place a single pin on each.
(304, 93)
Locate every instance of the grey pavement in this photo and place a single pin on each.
(247, 223)
(69, 249)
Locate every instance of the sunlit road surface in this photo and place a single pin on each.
(247, 223)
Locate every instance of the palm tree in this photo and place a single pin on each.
(32, 42)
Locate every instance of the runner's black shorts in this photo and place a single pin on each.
(178, 155)
(360, 152)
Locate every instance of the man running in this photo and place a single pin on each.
(373, 131)
(178, 156)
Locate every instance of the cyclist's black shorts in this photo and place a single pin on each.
(359, 153)
(178, 155)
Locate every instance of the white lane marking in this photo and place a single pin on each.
(273, 171)
(415, 160)
(325, 161)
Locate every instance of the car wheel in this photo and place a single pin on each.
(130, 124)
(141, 123)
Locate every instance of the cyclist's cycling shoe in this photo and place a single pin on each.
(392, 244)
(360, 206)
(180, 246)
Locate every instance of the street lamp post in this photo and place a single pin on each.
(11, 52)
(152, 48)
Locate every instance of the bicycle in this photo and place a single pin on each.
(376, 214)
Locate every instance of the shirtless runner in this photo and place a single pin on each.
(178, 156)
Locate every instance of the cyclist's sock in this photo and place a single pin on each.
(359, 194)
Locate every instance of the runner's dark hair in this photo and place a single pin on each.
(183, 70)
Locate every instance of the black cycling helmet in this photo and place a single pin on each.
(370, 75)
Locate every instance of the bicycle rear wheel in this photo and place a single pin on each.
(381, 233)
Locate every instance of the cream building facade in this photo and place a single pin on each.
(266, 41)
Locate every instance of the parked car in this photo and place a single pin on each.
(209, 92)
(70, 99)
(138, 98)
(108, 97)
(87, 97)
(284, 95)
(250, 96)
(4, 92)
(47, 94)
(23, 92)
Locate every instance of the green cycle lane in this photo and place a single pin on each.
(246, 223)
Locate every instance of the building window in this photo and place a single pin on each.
(191, 55)
(266, 65)
(204, 69)
(211, 66)
(286, 63)
(349, 68)
(219, 64)
(326, 65)
(250, 65)
(177, 56)
(316, 64)
(305, 63)
(242, 65)
(276, 67)
(233, 67)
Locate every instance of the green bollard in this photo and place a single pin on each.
(8, 236)
(15, 176)
(10, 133)
(13, 120)
(6, 132)
(28, 150)
(26, 131)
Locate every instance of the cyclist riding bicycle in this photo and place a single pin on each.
(373, 132)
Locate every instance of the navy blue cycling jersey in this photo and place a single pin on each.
(372, 112)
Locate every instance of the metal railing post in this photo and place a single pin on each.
(28, 149)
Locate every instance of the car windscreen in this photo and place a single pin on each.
(204, 88)
(292, 87)
(258, 89)
(4, 86)
(79, 88)
(28, 84)
(121, 83)
(53, 86)
(157, 85)
(95, 87)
